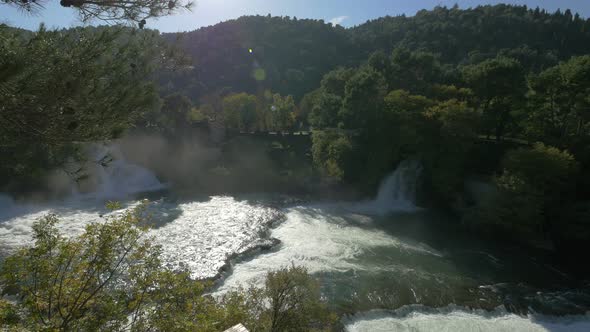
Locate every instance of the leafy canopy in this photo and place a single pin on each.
(110, 10)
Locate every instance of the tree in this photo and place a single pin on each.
(560, 104)
(413, 71)
(240, 111)
(543, 169)
(500, 85)
(307, 104)
(107, 10)
(380, 63)
(456, 119)
(173, 115)
(363, 99)
(334, 82)
(534, 186)
(91, 282)
(290, 301)
(404, 105)
(282, 112)
(97, 85)
(335, 155)
(324, 113)
(450, 137)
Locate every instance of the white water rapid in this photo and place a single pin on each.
(333, 237)
(197, 235)
(458, 319)
(384, 253)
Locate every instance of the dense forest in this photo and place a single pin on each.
(295, 53)
(495, 95)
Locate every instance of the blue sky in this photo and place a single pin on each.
(345, 12)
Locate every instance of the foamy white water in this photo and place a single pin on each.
(331, 237)
(16, 220)
(323, 240)
(456, 319)
(198, 236)
(206, 234)
(112, 178)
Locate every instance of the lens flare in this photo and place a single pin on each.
(259, 74)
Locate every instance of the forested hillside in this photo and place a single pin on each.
(290, 55)
(254, 53)
(457, 36)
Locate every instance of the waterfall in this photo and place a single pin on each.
(111, 176)
(401, 185)
(397, 191)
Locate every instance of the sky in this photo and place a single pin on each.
(209, 12)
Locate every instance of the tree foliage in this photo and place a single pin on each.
(118, 11)
(82, 283)
(61, 88)
(98, 78)
(560, 103)
(500, 86)
(289, 301)
(534, 185)
(240, 111)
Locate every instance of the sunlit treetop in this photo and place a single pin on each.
(118, 11)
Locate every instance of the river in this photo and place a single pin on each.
(384, 264)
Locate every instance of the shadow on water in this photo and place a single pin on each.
(160, 213)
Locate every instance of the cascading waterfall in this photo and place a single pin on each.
(401, 185)
(397, 191)
(114, 177)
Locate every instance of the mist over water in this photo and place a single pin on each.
(199, 236)
(115, 177)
